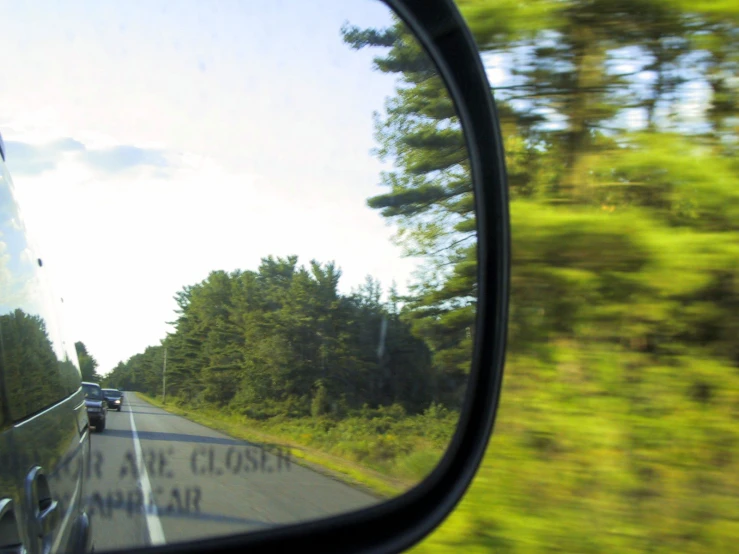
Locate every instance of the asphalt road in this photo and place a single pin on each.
(158, 478)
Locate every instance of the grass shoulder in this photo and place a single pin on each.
(382, 452)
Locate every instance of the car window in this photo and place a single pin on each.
(37, 370)
(92, 392)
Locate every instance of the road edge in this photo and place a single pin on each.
(151, 517)
(306, 457)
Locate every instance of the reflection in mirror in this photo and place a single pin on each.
(39, 379)
(266, 239)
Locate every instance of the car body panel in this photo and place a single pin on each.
(44, 428)
(53, 437)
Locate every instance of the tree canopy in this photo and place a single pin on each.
(258, 341)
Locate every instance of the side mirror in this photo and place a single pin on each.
(395, 525)
(290, 100)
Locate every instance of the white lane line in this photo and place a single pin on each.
(156, 533)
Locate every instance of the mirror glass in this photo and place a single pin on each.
(260, 218)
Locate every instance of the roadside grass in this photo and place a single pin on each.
(586, 459)
(595, 450)
(383, 452)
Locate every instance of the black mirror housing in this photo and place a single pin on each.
(399, 523)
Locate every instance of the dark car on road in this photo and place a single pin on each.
(97, 406)
(44, 427)
(114, 398)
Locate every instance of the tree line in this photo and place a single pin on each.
(615, 190)
(624, 205)
(619, 119)
(283, 340)
(34, 374)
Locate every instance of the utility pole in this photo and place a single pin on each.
(164, 376)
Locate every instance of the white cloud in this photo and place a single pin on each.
(266, 125)
(119, 248)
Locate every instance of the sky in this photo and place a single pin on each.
(153, 142)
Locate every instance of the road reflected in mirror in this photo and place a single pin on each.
(260, 218)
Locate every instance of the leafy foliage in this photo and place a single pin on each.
(617, 425)
(283, 340)
(88, 364)
(33, 376)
